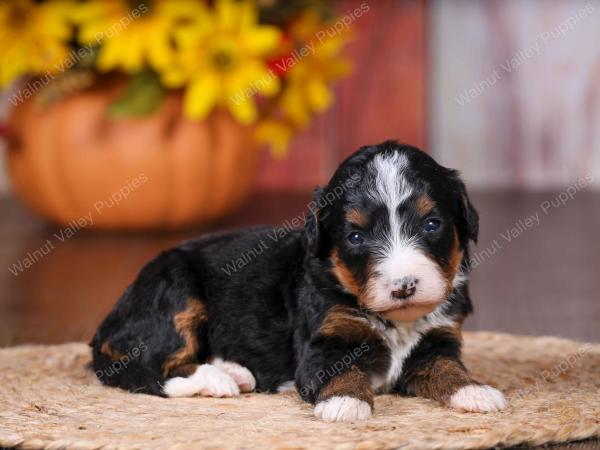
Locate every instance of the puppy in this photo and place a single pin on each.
(367, 298)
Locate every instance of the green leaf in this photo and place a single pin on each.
(142, 97)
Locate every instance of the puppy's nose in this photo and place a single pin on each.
(404, 287)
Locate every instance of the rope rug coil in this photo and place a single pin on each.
(50, 400)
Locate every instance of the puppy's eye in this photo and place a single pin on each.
(356, 238)
(432, 225)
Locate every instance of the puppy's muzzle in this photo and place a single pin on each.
(404, 287)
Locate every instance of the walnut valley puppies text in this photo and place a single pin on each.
(525, 54)
(76, 56)
(289, 225)
(336, 368)
(76, 225)
(531, 221)
(310, 48)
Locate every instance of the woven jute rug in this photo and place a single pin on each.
(48, 399)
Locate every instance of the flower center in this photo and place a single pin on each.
(223, 60)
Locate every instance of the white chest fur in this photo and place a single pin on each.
(401, 339)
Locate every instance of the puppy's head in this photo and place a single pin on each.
(392, 227)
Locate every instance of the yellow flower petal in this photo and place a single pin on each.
(144, 35)
(294, 105)
(305, 28)
(268, 84)
(319, 95)
(37, 44)
(227, 14)
(10, 72)
(248, 15)
(254, 77)
(109, 56)
(277, 135)
(174, 76)
(244, 111)
(189, 36)
(98, 20)
(160, 53)
(133, 56)
(330, 47)
(201, 96)
(261, 41)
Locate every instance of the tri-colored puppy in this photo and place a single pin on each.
(367, 298)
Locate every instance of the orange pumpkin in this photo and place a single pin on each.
(69, 162)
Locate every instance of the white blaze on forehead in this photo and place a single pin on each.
(392, 188)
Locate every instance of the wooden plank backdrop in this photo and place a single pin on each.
(383, 98)
(516, 91)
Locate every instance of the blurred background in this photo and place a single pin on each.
(131, 126)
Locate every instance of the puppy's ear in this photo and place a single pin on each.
(468, 220)
(312, 226)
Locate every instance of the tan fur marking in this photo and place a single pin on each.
(347, 323)
(442, 377)
(454, 261)
(355, 217)
(186, 322)
(343, 274)
(354, 383)
(424, 205)
(113, 354)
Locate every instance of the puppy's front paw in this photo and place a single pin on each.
(342, 409)
(478, 398)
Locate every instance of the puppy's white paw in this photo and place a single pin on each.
(342, 409)
(242, 376)
(478, 398)
(179, 387)
(217, 382)
(207, 380)
(286, 386)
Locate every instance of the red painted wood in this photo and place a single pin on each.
(384, 97)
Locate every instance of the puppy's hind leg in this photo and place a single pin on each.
(156, 330)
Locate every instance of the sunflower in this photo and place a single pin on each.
(307, 81)
(221, 61)
(307, 89)
(33, 38)
(133, 35)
